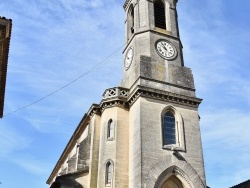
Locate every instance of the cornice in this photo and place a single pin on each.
(114, 97)
(75, 173)
(94, 109)
(146, 92)
(163, 33)
(115, 102)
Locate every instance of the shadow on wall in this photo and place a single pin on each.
(65, 181)
(55, 185)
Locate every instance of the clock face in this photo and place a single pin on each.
(129, 58)
(165, 49)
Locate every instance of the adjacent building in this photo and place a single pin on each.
(145, 133)
(245, 184)
(5, 33)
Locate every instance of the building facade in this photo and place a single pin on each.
(144, 133)
(5, 33)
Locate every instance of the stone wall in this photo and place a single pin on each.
(84, 154)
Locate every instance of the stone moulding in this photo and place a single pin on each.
(173, 170)
(121, 97)
(167, 167)
(113, 103)
(163, 96)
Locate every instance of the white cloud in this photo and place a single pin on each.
(50, 67)
(225, 134)
(71, 5)
(53, 42)
(229, 124)
(217, 51)
(34, 166)
(12, 141)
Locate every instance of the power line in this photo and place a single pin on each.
(97, 66)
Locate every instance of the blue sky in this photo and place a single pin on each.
(54, 42)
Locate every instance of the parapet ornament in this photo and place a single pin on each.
(123, 97)
(115, 92)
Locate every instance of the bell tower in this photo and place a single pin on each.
(165, 147)
(152, 34)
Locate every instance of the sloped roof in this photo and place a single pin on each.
(245, 184)
(5, 34)
(80, 128)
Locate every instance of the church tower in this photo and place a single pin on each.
(144, 133)
(164, 134)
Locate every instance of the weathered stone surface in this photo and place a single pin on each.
(72, 164)
(84, 154)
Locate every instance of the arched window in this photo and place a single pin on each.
(172, 129)
(159, 14)
(109, 174)
(169, 129)
(132, 18)
(110, 130)
(130, 21)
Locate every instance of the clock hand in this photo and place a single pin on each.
(164, 46)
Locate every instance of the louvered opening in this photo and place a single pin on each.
(132, 19)
(159, 11)
(130, 26)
